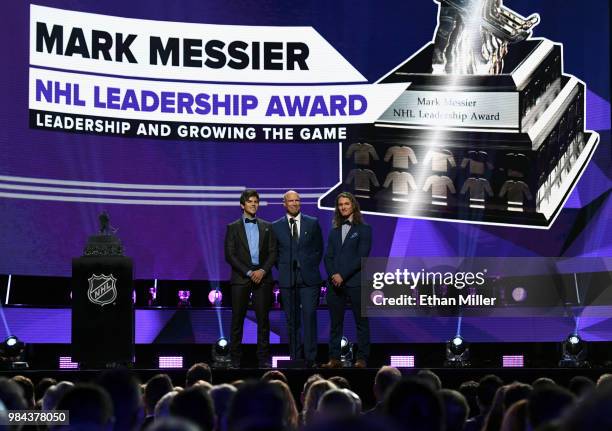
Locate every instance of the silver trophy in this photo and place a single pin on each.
(472, 36)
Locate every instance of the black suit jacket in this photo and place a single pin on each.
(237, 252)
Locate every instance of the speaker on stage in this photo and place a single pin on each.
(102, 305)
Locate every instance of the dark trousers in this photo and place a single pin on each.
(262, 301)
(336, 299)
(307, 298)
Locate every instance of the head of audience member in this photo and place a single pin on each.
(311, 399)
(515, 392)
(202, 384)
(27, 388)
(156, 387)
(604, 379)
(414, 405)
(309, 381)
(591, 413)
(548, 403)
(222, 397)
(456, 409)
(268, 376)
(291, 412)
(54, 394)
(515, 418)
(354, 423)
(340, 382)
(543, 381)
(172, 424)
(11, 395)
(42, 386)
(385, 378)
(581, 386)
(336, 404)
(89, 406)
(124, 390)
(162, 408)
(485, 394)
(430, 378)
(195, 405)
(257, 406)
(469, 390)
(198, 371)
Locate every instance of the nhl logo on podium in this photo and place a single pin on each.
(102, 289)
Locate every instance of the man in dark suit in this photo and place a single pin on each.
(300, 248)
(349, 241)
(250, 249)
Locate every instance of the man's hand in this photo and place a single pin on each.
(337, 280)
(257, 276)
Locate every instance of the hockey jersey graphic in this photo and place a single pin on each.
(440, 186)
(363, 179)
(402, 156)
(401, 182)
(476, 162)
(477, 189)
(362, 153)
(516, 191)
(440, 159)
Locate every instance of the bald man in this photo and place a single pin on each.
(300, 249)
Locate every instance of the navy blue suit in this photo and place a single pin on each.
(344, 258)
(306, 252)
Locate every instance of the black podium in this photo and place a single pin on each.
(102, 306)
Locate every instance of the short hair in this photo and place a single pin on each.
(247, 194)
(336, 404)
(591, 413)
(54, 394)
(222, 397)
(547, 403)
(268, 376)
(340, 381)
(543, 381)
(194, 404)
(124, 390)
(430, 378)
(385, 378)
(487, 387)
(157, 386)
(42, 386)
(162, 408)
(313, 395)
(27, 387)
(456, 409)
(88, 405)
(11, 395)
(172, 424)
(198, 371)
(515, 392)
(604, 380)
(580, 385)
(415, 405)
(469, 389)
(259, 405)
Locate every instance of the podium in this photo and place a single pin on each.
(102, 306)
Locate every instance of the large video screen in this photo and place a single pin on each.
(161, 114)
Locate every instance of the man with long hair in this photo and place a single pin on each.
(349, 241)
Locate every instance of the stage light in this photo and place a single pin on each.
(12, 353)
(65, 363)
(215, 297)
(170, 362)
(457, 353)
(276, 359)
(574, 352)
(183, 296)
(513, 361)
(346, 352)
(221, 353)
(402, 361)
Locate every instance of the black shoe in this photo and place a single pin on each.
(310, 364)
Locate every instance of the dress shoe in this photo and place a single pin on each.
(332, 363)
(361, 363)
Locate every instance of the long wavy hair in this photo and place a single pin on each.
(357, 217)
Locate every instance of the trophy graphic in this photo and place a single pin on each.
(489, 129)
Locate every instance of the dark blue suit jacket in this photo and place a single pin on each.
(345, 258)
(308, 251)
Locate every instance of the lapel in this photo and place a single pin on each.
(302, 229)
(242, 234)
(348, 235)
(260, 227)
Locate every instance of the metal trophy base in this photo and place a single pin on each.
(502, 149)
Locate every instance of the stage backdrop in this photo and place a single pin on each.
(99, 99)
